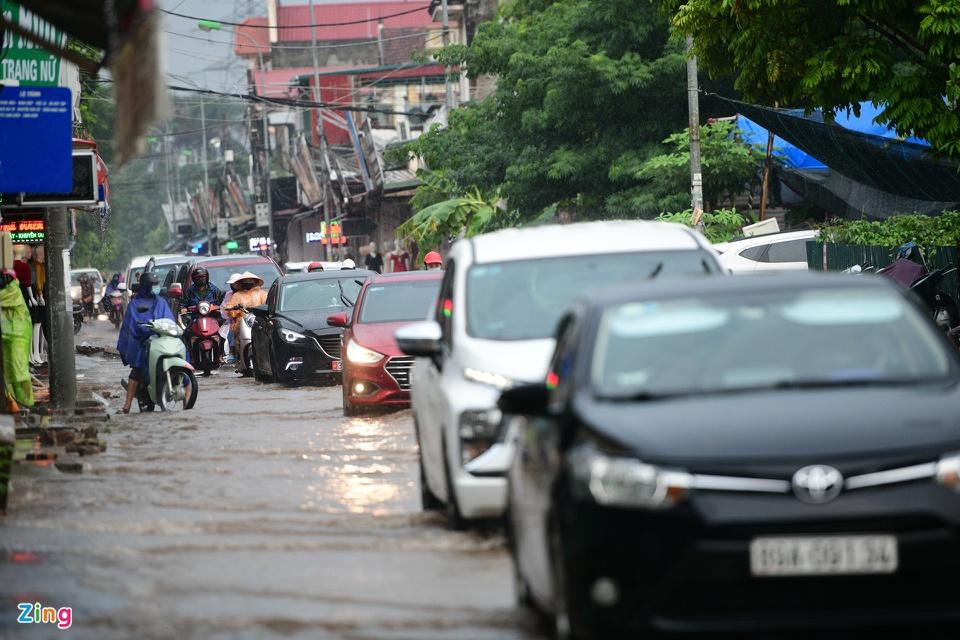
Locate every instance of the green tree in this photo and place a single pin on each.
(581, 84)
(727, 164)
(833, 54)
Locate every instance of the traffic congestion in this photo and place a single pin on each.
(479, 319)
(641, 427)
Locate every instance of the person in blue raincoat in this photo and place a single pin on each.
(132, 342)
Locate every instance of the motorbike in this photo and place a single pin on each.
(204, 340)
(244, 342)
(172, 385)
(943, 307)
(77, 317)
(115, 309)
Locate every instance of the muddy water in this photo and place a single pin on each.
(261, 513)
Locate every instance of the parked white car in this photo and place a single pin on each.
(786, 251)
(500, 299)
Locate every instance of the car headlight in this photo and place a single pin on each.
(362, 355)
(628, 482)
(495, 380)
(479, 429)
(291, 336)
(948, 472)
(249, 319)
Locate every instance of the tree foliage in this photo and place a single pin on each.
(720, 225)
(467, 215)
(727, 164)
(900, 54)
(582, 86)
(927, 231)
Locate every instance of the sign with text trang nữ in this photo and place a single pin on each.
(35, 140)
(24, 61)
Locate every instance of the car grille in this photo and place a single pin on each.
(330, 345)
(399, 367)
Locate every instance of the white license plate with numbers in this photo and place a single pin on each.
(823, 555)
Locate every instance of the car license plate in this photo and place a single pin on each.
(823, 555)
(336, 365)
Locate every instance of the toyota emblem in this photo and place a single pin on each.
(817, 484)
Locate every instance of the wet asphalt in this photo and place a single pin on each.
(262, 513)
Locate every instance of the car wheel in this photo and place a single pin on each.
(349, 411)
(560, 611)
(521, 589)
(275, 369)
(428, 501)
(455, 519)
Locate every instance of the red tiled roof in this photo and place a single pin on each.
(349, 12)
(245, 36)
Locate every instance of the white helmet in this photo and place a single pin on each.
(348, 264)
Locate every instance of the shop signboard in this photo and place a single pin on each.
(24, 61)
(36, 140)
(24, 227)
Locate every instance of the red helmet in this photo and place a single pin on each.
(315, 266)
(432, 258)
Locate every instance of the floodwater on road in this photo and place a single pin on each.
(261, 513)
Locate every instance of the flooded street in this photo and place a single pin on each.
(261, 513)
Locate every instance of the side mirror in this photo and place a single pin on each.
(122, 286)
(338, 320)
(175, 290)
(260, 311)
(525, 400)
(420, 339)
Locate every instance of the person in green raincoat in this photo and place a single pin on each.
(17, 330)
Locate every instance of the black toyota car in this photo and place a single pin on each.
(740, 454)
(291, 338)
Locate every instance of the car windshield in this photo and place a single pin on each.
(315, 295)
(398, 301)
(524, 299)
(220, 274)
(810, 337)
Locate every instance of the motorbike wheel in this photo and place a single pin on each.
(248, 361)
(172, 395)
(116, 320)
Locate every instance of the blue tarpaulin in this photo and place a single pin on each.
(793, 157)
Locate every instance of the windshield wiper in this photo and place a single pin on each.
(656, 271)
(343, 296)
(851, 382)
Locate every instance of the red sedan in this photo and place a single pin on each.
(375, 372)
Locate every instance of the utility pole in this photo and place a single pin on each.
(447, 71)
(211, 244)
(693, 105)
(315, 94)
(63, 367)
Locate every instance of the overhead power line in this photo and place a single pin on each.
(298, 26)
(303, 47)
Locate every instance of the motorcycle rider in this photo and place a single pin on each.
(112, 286)
(249, 293)
(201, 289)
(225, 331)
(132, 343)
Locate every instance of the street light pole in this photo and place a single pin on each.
(446, 71)
(211, 245)
(315, 95)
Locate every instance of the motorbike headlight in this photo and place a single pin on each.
(291, 336)
(622, 481)
(203, 308)
(948, 472)
(249, 319)
(362, 355)
(479, 429)
(495, 380)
